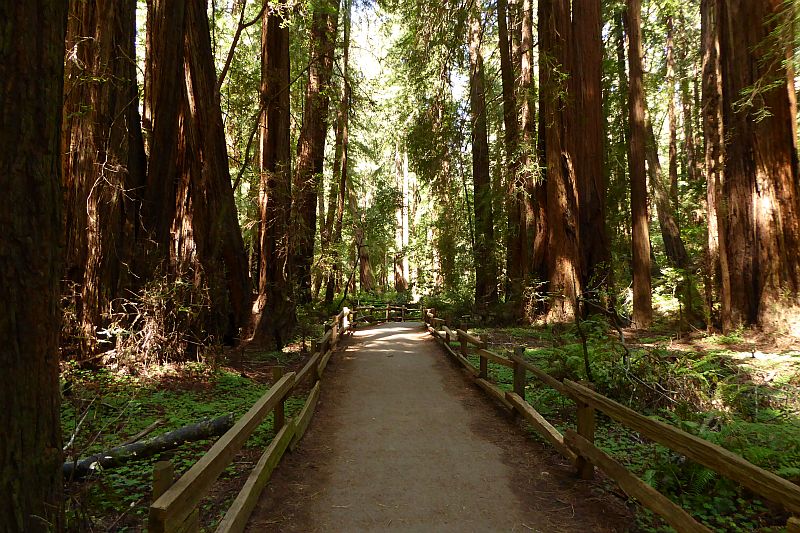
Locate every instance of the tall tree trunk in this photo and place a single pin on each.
(533, 155)
(562, 195)
(671, 116)
(485, 265)
(589, 148)
(761, 178)
(277, 309)
(401, 180)
(689, 115)
(31, 84)
(718, 284)
(516, 234)
(164, 74)
(674, 247)
(642, 296)
(311, 145)
(341, 152)
(215, 224)
(104, 160)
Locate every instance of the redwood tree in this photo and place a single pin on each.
(104, 161)
(717, 267)
(485, 266)
(31, 84)
(276, 304)
(215, 225)
(589, 145)
(762, 226)
(311, 144)
(516, 237)
(163, 96)
(563, 254)
(642, 297)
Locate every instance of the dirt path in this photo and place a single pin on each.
(402, 441)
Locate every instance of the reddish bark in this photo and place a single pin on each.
(516, 235)
(717, 267)
(104, 160)
(642, 297)
(589, 146)
(277, 311)
(215, 224)
(564, 255)
(485, 265)
(762, 227)
(311, 145)
(31, 84)
(164, 74)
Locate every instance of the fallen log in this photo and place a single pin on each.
(77, 470)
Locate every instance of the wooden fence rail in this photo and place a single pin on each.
(174, 506)
(579, 448)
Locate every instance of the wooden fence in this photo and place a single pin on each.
(387, 313)
(174, 506)
(578, 445)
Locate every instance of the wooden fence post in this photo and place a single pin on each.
(520, 373)
(586, 426)
(280, 410)
(163, 473)
(484, 362)
(464, 350)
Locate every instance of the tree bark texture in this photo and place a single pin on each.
(104, 160)
(532, 163)
(590, 147)
(516, 234)
(164, 74)
(277, 316)
(671, 115)
(340, 163)
(215, 224)
(718, 284)
(558, 109)
(31, 85)
(485, 264)
(761, 178)
(642, 286)
(674, 247)
(311, 144)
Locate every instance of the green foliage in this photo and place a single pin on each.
(104, 409)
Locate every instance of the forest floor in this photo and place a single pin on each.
(402, 441)
(115, 405)
(741, 391)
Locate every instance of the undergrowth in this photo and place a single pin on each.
(744, 404)
(103, 409)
